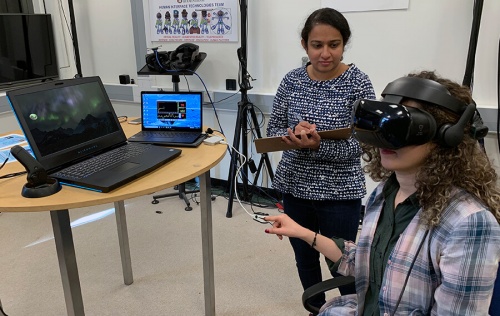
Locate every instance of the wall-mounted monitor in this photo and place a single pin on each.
(27, 49)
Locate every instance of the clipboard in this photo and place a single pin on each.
(269, 144)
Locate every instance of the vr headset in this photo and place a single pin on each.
(389, 124)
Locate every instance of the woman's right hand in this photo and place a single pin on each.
(285, 226)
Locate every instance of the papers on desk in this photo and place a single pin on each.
(8, 141)
(11, 140)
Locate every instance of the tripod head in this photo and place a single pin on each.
(245, 79)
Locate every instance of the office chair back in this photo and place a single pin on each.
(334, 283)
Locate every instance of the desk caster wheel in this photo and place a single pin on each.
(155, 202)
(188, 208)
(213, 198)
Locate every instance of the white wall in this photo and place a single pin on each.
(385, 44)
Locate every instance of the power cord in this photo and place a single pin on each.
(10, 175)
(2, 312)
(258, 217)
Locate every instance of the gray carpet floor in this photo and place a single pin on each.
(255, 273)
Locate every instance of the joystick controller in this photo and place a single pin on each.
(39, 184)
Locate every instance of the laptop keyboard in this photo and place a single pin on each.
(164, 134)
(102, 161)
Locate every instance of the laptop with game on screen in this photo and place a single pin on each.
(74, 133)
(171, 118)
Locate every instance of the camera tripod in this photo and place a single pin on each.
(182, 193)
(245, 111)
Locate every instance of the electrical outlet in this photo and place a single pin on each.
(231, 84)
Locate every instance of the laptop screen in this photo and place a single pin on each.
(67, 119)
(171, 110)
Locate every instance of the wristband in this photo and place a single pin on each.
(313, 244)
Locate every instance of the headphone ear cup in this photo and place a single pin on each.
(179, 61)
(158, 61)
(451, 135)
(150, 61)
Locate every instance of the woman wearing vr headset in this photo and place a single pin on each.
(322, 183)
(430, 240)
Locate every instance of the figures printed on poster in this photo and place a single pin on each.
(175, 24)
(194, 29)
(184, 22)
(219, 21)
(167, 25)
(204, 22)
(220, 26)
(158, 24)
(207, 22)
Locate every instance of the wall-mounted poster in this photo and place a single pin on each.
(193, 20)
(365, 5)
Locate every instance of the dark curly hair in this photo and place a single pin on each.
(465, 166)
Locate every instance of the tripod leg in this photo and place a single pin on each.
(182, 195)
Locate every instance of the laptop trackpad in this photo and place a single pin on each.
(124, 167)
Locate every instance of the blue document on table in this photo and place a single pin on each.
(11, 140)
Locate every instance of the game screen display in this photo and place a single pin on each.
(171, 110)
(64, 117)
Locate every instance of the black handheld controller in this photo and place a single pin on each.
(39, 184)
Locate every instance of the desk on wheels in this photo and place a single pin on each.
(191, 163)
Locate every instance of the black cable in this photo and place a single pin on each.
(471, 56)
(12, 175)
(3, 313)
(222, 100)
(409, 271)
(5, 161)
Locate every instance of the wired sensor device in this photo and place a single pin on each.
(212, 140)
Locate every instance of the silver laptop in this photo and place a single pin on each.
(171, 118)
(75, 134)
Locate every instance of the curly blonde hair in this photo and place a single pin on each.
(465, 166)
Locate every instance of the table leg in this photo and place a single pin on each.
(65, 248)
(121, 225)
(207, 243)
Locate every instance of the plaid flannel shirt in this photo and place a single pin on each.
(453, 274)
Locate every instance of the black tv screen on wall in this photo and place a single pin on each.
(27, 49)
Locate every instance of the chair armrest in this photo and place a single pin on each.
(321, 287)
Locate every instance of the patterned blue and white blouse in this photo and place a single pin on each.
(334, 171)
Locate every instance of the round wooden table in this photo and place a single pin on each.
(193, 162)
